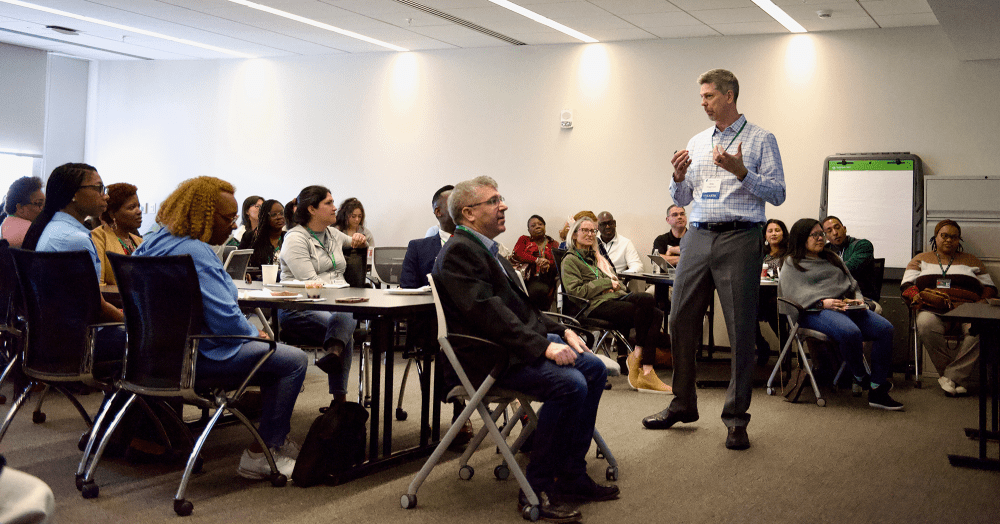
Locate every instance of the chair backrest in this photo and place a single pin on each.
(388, 263)
(446, 347)
(61, 298)
(9, 288)
(236, 263)
(223, 251)
(878, 275)
(162, 300)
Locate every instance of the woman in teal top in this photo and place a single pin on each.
(589, 276)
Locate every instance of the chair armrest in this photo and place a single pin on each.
(106, 324)
(501, 364)
(273, 347)
(569, 321)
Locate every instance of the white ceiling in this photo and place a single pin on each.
(238, 28)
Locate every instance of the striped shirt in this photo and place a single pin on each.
(737, 201)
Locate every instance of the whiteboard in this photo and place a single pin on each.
(876, 199)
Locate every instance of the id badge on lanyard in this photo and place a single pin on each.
(711, 188)
(944, 283)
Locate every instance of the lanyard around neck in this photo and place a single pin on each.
(328, 252)
(597, 274)
(735, 136)
(944, 270)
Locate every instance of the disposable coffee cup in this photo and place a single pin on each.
(269, 272)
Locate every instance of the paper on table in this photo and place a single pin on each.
(263, 294)
(301, 283)
(416, 291)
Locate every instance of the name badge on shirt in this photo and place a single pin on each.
(711, 188)
(944, 283)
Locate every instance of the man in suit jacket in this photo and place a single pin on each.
(482, 297)
(421, 253)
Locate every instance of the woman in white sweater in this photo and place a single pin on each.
(313, 250)
(817, 279)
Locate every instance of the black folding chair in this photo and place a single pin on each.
(11, 327)
(163, 316)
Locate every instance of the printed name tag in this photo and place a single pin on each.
(944, 283)
(711, 189)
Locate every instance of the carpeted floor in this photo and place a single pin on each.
(842, 463)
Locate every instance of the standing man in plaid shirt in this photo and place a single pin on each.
(728, 172)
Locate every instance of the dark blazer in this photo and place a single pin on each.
(480, 300)
(418, 261)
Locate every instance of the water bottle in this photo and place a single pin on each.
(656, 267)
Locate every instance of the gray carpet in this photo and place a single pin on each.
(842, 463)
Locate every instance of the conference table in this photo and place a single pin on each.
(985, 320)
(383, 308)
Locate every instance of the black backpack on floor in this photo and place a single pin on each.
(335, 443)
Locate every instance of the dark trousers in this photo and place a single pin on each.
(571, 395)
(727, 262)
(636, 310)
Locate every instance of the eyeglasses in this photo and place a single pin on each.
(493, 202)
(37, 203)
(230, 219)
(276, 214)
(99, 187)
(819, 235)
(587, 231)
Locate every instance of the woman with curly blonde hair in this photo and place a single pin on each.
(200, 212)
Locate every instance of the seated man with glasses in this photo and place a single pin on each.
(482, 297)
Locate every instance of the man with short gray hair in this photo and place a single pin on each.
(726, 173)
(482, 297)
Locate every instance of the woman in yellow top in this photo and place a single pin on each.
(119, 227)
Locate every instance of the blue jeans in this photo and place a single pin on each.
(571, 395)
(848, 330)
(321, 328)
(280, 380)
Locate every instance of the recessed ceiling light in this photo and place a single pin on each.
(781, 16)
(314, 23)
(542, 20)
(63, 30)
(123, 27)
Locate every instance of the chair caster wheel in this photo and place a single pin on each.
(531, 513)
(367, 403)
(501, 472)
(408, 501)
(91, 490)
(770, 391)
(279, 480)
(79, 482)
(918, 384)
(612, 473)
(183, 507)
(401, 414)
(37, 417)
(466, 472)
(821, 402)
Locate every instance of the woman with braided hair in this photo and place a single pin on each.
(202, 212)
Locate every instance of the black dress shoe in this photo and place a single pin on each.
(549, 510)
(666, 418)
(738, 438)
(331, 364)
(582, 488)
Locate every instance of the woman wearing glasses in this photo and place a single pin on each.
(817, 279)
(22, 205)
(590, 276)
(75, 192)
(947, 269)
(119, 224)
(314, 250)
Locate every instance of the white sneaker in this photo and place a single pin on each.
(947, 385)
(289, 449)
(254, 465)
(960, 390)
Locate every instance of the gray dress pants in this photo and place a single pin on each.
(728, 262)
